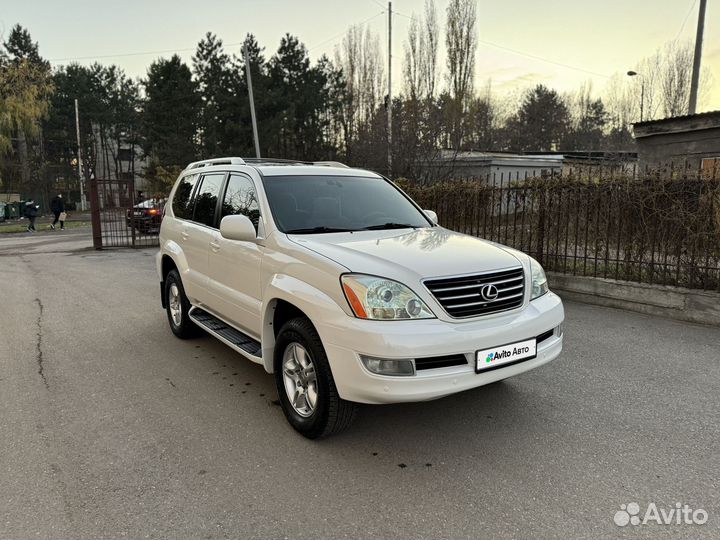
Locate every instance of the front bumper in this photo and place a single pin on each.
(346, 338)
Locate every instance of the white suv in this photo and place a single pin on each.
(334, 280)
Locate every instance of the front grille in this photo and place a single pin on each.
(434, 362)
(460, 296)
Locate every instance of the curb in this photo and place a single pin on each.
(689, 305)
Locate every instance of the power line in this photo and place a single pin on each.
(687, 16)
(96, 57)
(521, 53)
(344, 32)
(490, 43)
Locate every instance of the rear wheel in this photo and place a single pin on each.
(178, 307)
(305, 383)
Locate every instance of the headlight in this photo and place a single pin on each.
(377, 298)
(539, 280)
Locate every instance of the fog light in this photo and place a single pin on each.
(403, 367)
(559, 330)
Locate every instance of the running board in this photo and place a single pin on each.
(229, 335)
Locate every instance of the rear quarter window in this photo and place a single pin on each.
(182, 203)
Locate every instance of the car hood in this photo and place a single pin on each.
(423, 253)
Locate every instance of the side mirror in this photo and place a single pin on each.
(431, 215)
(238, 227)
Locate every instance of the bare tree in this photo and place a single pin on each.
(411, 69)
(420, 68)
(461, 44)
(371, 73)
(665, 76)
(428, 64)
(360, 59)
(675, 78)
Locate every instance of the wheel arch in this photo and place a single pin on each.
(167, 264)
(289, 298)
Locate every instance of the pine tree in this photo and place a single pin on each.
(213, 72)
(541, 122)
(171, 113)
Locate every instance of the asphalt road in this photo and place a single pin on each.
(111, 427)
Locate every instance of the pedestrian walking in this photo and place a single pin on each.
(57, 206)
(31, 211)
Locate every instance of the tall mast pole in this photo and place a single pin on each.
(83, 202)
(252, 100)
(694, 82)
(389, 99)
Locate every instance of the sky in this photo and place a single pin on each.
(560, 43)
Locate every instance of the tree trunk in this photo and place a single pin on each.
(24, 160)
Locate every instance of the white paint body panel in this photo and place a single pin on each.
(242, 281)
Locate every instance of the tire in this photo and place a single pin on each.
(329, 413)
(180, 322)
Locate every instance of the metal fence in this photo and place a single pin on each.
(649, 229)
(117, 221)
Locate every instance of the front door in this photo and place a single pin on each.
(234, 266)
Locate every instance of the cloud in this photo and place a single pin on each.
(525, 79)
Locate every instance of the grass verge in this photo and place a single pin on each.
(22, 227)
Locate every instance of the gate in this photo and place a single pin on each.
(118, 220)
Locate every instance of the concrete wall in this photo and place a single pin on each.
(672, 302)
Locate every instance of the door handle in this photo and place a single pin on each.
(215, 246)
(185, 235)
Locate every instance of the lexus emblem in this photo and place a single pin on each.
(489, 292)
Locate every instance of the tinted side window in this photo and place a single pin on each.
(240, 198)
(182, 205)
(206, 198)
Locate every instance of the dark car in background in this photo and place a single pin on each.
(146, 216)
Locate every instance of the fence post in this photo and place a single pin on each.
(540, 241)
(95, 214)
(131, 192)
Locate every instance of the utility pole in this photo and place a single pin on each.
(632, 73)
(252, 100)
(696, 59)
(83, 202)
(389, 98)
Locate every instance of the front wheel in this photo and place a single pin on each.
(305, 383)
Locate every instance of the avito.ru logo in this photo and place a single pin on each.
(681, 514)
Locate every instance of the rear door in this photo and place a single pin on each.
(199, 232)
(176, 229)
(234, 266)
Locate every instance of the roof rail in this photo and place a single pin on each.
(266, 161)
(279, 161)
(216, 161)
(330, 164)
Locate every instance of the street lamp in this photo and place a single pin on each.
(632, 73)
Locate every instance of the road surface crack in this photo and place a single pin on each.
(38, 344)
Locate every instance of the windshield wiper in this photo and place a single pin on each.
(390, 225)
(316, 230)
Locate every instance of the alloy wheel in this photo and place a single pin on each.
(300, 379)
(174, 302)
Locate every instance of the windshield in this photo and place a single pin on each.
(319, 204)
